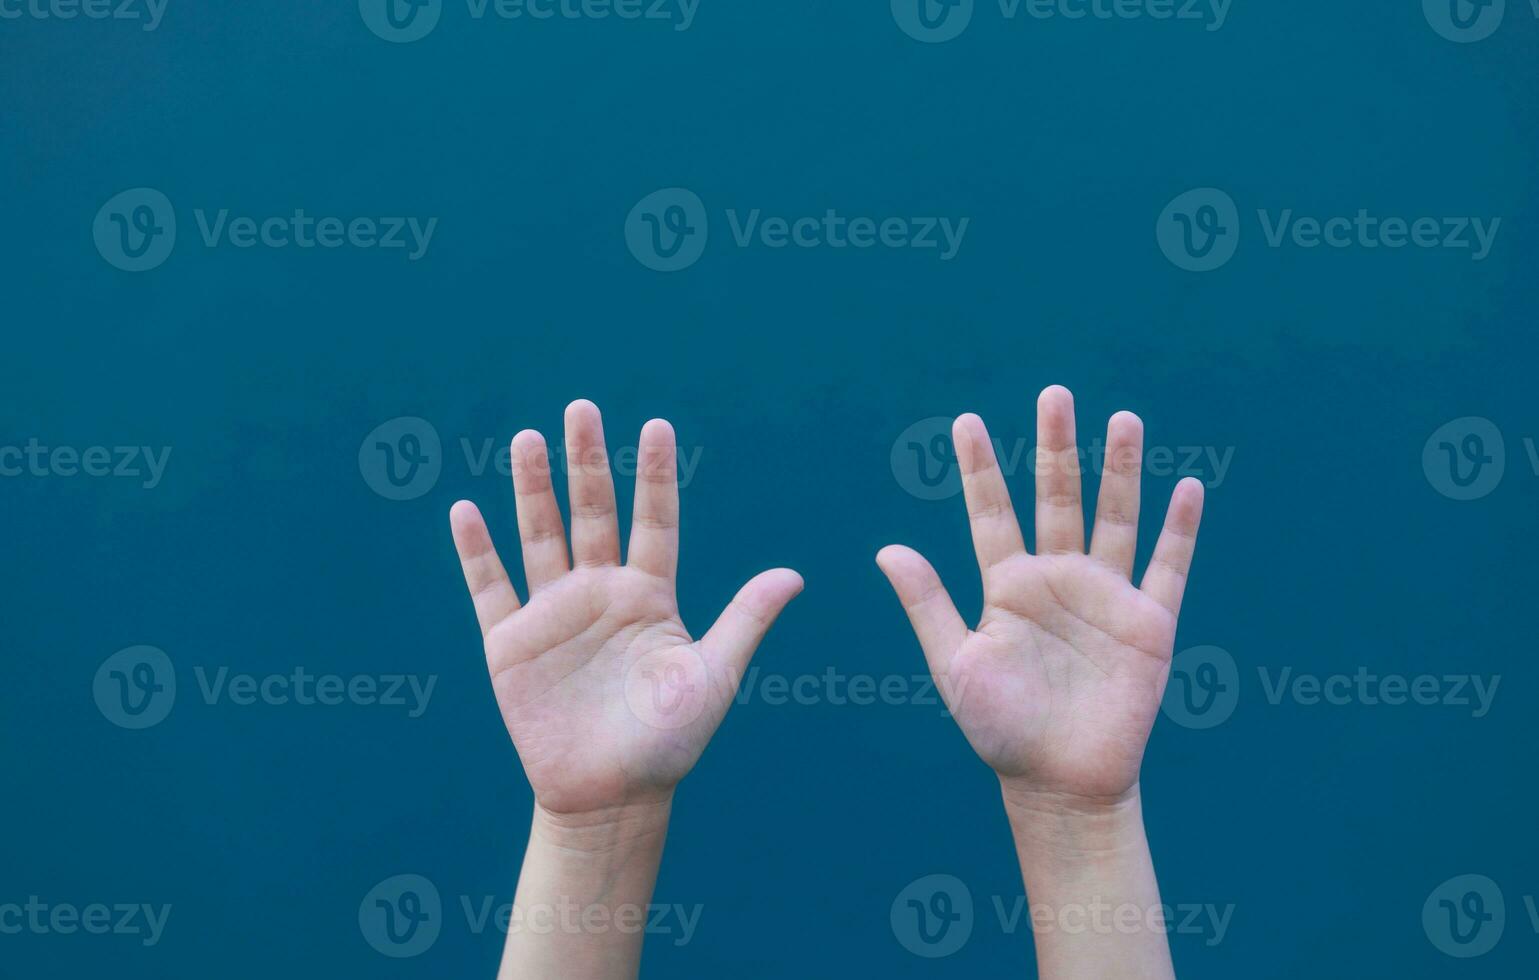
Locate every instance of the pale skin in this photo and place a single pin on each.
(610, 701)
(1058, 685)
(608, 698)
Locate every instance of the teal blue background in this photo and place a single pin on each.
(793, 371)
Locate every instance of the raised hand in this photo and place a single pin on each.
(607, 697)
(1058, 686)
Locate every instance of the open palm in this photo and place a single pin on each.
(608, 699)
(1058, 686)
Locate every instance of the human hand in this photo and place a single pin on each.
(1058, 686)
(608, 699)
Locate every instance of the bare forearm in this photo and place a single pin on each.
(580, 909)
(1094, 901)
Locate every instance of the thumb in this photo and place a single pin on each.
(934, 616)
(732, 640)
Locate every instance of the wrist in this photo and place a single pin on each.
(1062, 829)
(604, 832)
(583, 891)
